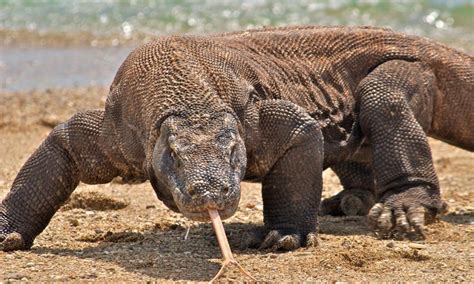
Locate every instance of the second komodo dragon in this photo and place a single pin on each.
(196, 115)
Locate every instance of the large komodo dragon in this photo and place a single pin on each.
(195, 115)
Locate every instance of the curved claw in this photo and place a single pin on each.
(406, 211)
(416, 218)
(374, 214)
(288, 242)
(385, 221)
(401, 221)
(270, 240)
(312, 240)
(275, 240)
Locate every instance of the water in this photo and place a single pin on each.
(47, 67)
(450, 21)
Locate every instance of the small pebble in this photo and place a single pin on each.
(250, 205)
(14, 276)
(302, 254)
(416, 246)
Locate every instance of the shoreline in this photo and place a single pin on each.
(27, 110)
(25, 38)
(84, 59)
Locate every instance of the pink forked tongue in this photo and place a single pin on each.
(224, 245)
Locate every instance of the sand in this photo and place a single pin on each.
(121, 232)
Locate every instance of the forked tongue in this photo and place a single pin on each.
(224, 245)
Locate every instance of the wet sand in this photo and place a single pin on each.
(138, 239)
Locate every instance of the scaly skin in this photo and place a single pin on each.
(195, 115)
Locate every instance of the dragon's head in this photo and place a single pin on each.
(198, 163)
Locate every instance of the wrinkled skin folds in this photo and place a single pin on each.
(196, 115)
(201, 164)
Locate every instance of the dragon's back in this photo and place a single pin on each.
(318, 68)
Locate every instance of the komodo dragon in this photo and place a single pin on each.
(195, 115)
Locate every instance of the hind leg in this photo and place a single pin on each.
(358, 195)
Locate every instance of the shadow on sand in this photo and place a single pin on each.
(164, 254)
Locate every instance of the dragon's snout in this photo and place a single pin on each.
(200, 196)
(203, 189)
(200, 159)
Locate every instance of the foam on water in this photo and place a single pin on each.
(451, 22)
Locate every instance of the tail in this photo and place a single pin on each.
(453, 111)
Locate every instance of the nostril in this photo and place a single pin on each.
(226, 189)
(192, 190)
(197, 188)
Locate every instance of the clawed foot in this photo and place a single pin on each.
(13, 241)
(10, 239)
(348, 203)
(406, 212)
(276, 240)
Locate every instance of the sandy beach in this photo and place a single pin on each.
(121, 232)
(58, 58)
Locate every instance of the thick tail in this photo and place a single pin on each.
(453, 110)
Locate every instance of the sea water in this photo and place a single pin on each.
(33, 67)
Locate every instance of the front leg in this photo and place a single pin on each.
(289, 154)
(407, 184)
(70, 154)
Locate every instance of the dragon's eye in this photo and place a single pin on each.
(175, 157)
(234, 159)
(173, 154)
(226, 136)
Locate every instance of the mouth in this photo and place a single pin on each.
(203, 216)
(198, 211)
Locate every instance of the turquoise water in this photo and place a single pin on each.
(446, 20)
(450, 21)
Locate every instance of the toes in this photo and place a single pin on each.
(276, 241)
(13, 241)
(289, 242)
(374, 214)
(416, 218)
(433, 213)
(312, 240)
(270, 240)
(401, 221)
(351, 205)
(385, 221)
(348, 203)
